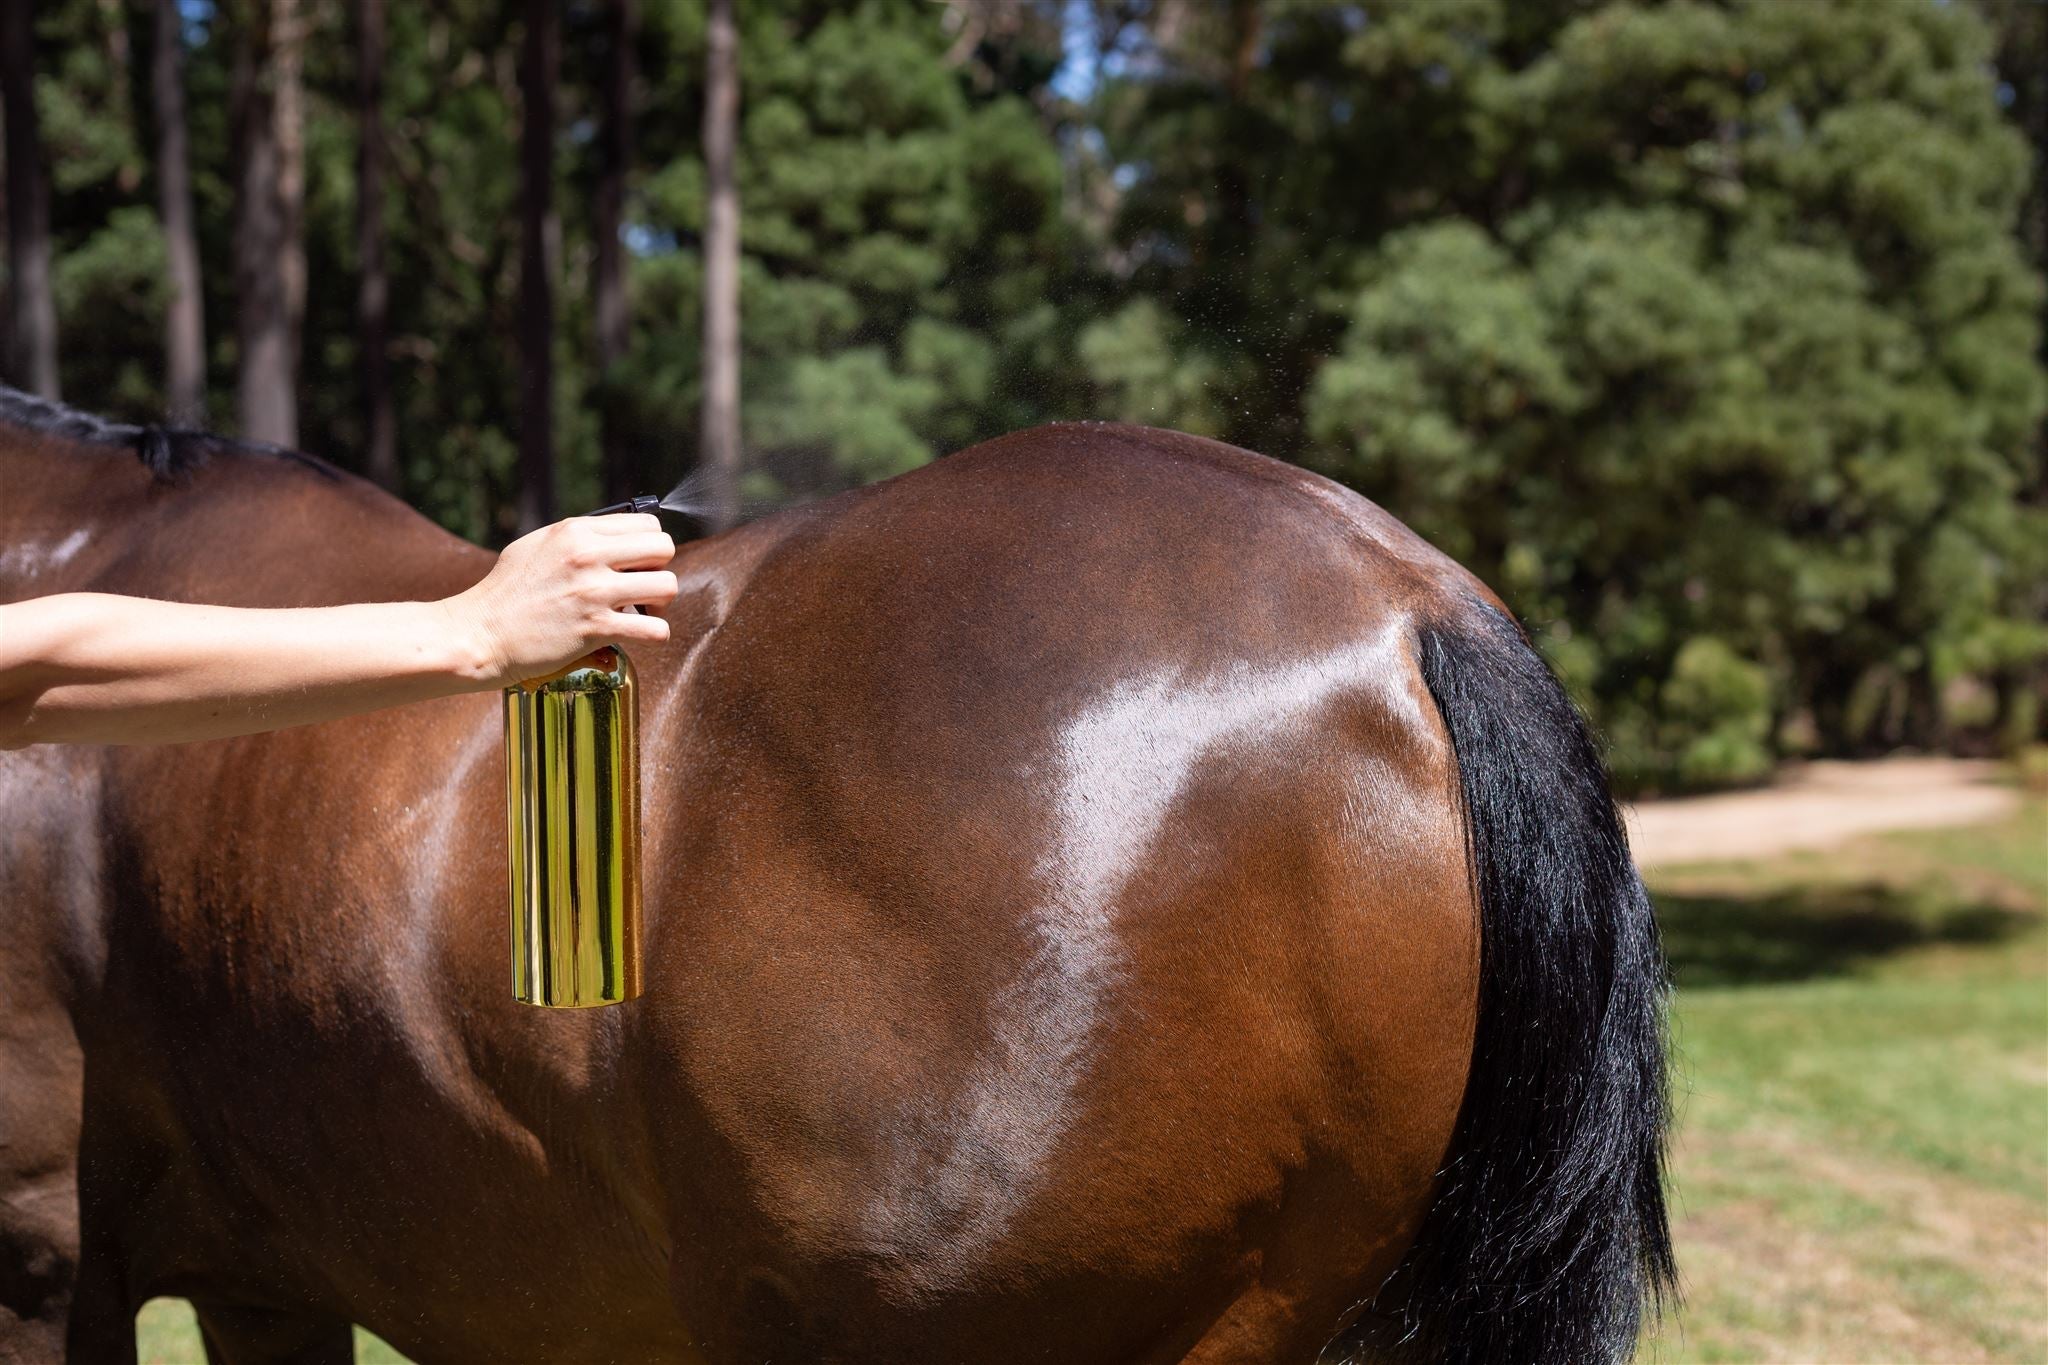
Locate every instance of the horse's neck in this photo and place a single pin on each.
(242, 529)
(48, 514)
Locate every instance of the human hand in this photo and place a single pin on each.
(564, 590)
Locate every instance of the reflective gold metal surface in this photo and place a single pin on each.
(572, 781)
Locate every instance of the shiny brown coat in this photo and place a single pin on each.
(1061, 945)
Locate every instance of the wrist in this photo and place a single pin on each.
(468, 647)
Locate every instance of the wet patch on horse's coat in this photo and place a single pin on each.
(968, 1171)
(433, 1040)
(32, 560)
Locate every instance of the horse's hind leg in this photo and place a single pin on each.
(35, 1293)
(265, 1336)
(102, 1325)
(1262, 1327)
(38, 1257)
(39, 1087)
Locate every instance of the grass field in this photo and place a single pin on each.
(167, 1334)
(1861, 1165)
(1861, 1168)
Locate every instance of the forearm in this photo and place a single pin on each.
(93, 668)
(98, 669)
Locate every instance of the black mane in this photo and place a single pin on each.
(169, 453)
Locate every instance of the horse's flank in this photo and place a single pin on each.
(1060, 939)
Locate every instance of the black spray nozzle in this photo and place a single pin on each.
(644, 503)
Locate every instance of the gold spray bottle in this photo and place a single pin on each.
(572, 783)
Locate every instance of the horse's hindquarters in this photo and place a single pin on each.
(1198, 1117)
(1069, 953)
(1058, 947)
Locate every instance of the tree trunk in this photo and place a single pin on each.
(1246, 23)
(184, 314)
(270, 261)
(32, 309)
(1232, 233)
(622, 476)
(721, 423)
(373, 289)
(539, 59)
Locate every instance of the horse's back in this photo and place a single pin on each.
(1066, 903)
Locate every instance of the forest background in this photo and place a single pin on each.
(1710, 334)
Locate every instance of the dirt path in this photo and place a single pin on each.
(1819, 805)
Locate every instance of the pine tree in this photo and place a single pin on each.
(373, 290)
(185, 306)
(540, 57)
(32, 309)
(903, 253)
(613, 307)
(720, 443)
(1723, 363)
(270, 261)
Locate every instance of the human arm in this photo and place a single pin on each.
(102, 669)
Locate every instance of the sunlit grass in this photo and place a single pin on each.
(167, 1333)
(1861, 1170)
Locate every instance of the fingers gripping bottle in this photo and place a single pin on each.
(572, 785)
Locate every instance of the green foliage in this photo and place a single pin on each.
(1137, 357)
(902, 236)
(1702, 330)
(1744, 370)
(1717, 706)
(108, 253)
(898, 227)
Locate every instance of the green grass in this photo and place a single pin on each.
(1861, 1047)
(166, 1333)
(1860, 1170)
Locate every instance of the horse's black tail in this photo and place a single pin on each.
(1547, 1237)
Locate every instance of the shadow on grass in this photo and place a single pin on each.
(1799, 935)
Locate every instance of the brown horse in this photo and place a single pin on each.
(1111, 897)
